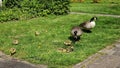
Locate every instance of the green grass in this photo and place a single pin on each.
(54, 30)
(104, 7)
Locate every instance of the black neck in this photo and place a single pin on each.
(92, 19)
(75, 32)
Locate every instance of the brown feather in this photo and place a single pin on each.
(82, 25)
(78, 29)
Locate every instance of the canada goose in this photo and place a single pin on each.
(36, 33)
(62, 50)
(88, 25)
(68, 43)
(12, 51)
(70, 49)
(76, 32)
(15, 42)
(66, 50)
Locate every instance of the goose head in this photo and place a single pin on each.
(75, 34)
(93, 19)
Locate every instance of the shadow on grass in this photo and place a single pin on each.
(73, 39)
(86, 31)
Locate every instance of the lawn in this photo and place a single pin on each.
(104, 7)
(54, 30)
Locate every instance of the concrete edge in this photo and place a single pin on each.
(8, 57)
(107, 15)
(108, 50)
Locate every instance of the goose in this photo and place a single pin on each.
(88, 25)
(12, 51)
(15, 42)
(76, 32)
(68, 43)
(36, 33)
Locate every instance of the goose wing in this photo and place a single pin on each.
(85, 25)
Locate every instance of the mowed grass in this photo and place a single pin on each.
(104, 7)
(54, 30)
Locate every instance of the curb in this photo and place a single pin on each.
(109, 50)
(107, 15)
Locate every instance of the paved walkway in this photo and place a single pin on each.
(106, 58)
(9, 62)
(108, 15)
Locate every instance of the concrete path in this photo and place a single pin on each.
(106, 58)
(108, 15)
(9, 62)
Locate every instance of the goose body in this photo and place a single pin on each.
(88, 25)
(76, 32)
